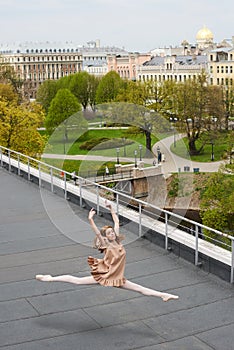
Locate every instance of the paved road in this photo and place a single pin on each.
(59, 316)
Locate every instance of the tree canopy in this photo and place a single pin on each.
(217, 204)
(109, 87)
(19, 127)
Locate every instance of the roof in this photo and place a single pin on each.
(38, 315)
(188, 60)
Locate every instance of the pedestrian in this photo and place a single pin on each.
(73, 176)
(108, 271)
(159, 157)
(107, 171)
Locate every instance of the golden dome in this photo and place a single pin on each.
(204, 34)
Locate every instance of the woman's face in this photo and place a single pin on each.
(110, 234)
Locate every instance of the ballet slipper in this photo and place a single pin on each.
(44, 278)
(166, 297)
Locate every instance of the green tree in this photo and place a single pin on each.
(7, 93)
(198, 106)
(9, 76)
(46, 92)
(109, 87)
(83, 86)
(19, 127)
(217, 203)
(63, 106)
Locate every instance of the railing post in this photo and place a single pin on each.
(39, 174)
(80, 188)
(9, 160)
(51, 180)
(117, 203)
(18, 164)
(98, 203)
(28, 169)
(232, 263)
(65, 185)
(166, 231)
(196, 245)
(140, 225)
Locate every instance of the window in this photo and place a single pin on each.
(217, 69)
(211, 69)
(222, 69)
(226, 69)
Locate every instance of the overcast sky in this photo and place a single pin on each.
(136, 25)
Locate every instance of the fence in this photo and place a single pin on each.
(203, 242)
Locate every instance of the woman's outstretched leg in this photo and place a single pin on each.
(67, 278)
(147, 291)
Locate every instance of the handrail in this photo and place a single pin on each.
(6, 156)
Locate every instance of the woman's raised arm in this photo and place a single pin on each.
(92, 212)
(114, 217)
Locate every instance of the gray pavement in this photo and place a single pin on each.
(58, 316)
(173, 162)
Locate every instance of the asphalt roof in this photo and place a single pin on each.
(39, 315)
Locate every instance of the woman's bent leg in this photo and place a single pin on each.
(147, 291)
(67, 278)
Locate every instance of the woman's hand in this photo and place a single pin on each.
(92, 212)
(108, 205)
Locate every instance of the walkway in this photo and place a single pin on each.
(172, 164)
(58, 316)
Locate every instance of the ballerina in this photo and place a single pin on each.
(108, 271)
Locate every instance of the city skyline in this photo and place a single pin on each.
(132, 24)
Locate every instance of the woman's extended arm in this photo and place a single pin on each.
(114, 217)
(94, 227)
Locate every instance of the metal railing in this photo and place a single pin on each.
(198, 237)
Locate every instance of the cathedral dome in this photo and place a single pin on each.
(204, 34)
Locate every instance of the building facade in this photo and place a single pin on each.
(36, 62)
(176, 68)
(127, 65)
(221, 66)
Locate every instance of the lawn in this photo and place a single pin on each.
(219, 149)
(57, 145)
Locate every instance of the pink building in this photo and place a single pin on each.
(126, 65)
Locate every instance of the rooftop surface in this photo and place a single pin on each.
(40, 315)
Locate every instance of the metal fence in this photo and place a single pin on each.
(200, 238)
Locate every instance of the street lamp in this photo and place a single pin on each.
(135, 153)
(212, 151)
(123, 139)
(174, 138)
(117, 151)
(140, 148)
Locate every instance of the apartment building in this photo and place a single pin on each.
(221, 66)
(36, 62)
(176, 68)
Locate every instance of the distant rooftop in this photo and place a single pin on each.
(55, 47)
(189, 60)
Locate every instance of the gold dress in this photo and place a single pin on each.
(109, 271)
